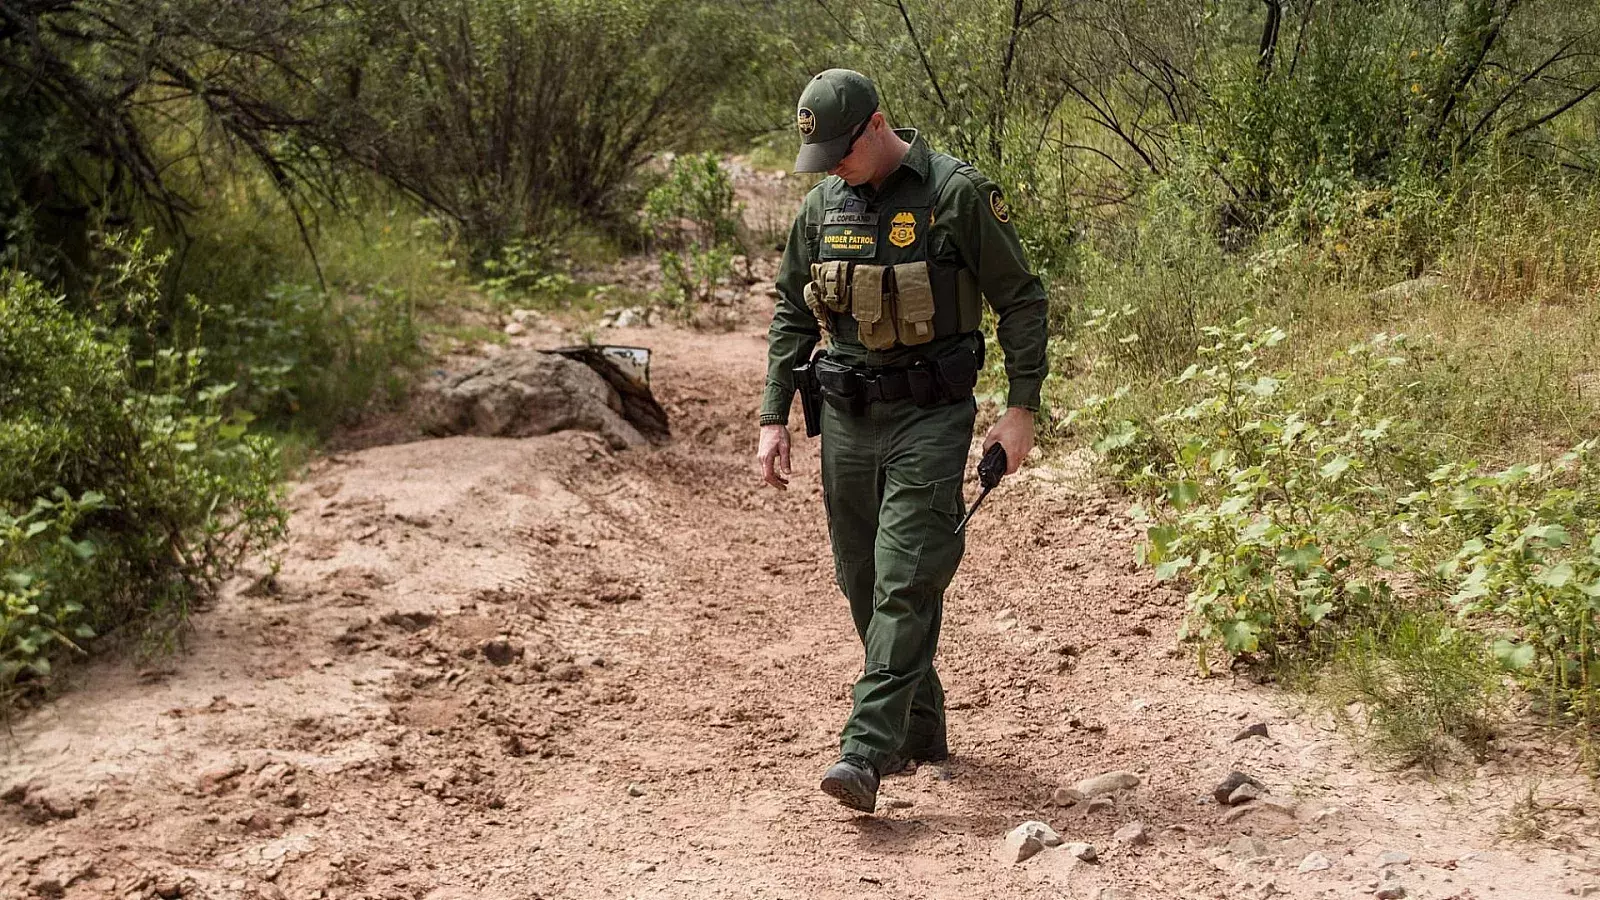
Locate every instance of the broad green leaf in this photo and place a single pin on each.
(1515, 657)
(1335, 467)
(1554, 577)
(1183, 493)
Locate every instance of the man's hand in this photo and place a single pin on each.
(772, 456)
(1014, 432)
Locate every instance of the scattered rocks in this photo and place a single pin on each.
(1108, 783)
(1026, 840)
(1084, 852)
(1314, 862)
(1232, 783)
(1259, 729)
(1134, 834)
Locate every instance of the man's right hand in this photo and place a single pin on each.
(772, 456)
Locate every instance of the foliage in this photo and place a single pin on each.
(126, 491)
(693, 221)
(1302, 518)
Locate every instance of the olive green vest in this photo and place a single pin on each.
(874, 281)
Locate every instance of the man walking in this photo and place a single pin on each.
(890, 258)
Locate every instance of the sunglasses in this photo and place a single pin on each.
(860, 130)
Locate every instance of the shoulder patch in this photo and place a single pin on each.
(997, 205)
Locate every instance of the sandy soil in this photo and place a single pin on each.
(539, 669)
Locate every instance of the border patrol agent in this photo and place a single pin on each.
(890, 259)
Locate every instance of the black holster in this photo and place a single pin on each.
(810, 390)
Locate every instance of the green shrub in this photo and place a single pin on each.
(126, 490)
(693, 221)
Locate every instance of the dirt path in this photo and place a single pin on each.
(538, 669)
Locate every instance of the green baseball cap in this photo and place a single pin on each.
(833, 109)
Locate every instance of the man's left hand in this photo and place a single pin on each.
(1014, 432)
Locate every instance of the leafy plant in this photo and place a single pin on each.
(693, 220)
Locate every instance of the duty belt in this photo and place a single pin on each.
(925, 383)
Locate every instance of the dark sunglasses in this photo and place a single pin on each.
(860, 130)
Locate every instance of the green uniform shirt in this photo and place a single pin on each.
(971, 227)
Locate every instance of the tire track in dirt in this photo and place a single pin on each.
(537, 668)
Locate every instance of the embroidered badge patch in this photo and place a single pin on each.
(997, 205)
(903, 229)
(807, 120)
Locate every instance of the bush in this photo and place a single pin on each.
(126, 492)
(1306, 517)
(693, 221)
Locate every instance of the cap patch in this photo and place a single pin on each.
(806, 120)
(903, 229)
(997, 205)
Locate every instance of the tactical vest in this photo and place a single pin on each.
(872, 269)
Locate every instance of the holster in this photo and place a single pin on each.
(810, 390)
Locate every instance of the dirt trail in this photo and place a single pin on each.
(540, 669)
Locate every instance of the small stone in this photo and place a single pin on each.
(1101, 804)
(635, 791)
(895, 803)
(1259, 729)
(1244, 793)
(169, 888)
(631, 317)
(1393, 858)
(641, 868)
(1246, 848)
(1314, 862)
(1066, 797)
(1390, 890)
(1133, 834)
(501, 652)
(1230, 784)
(1026, 840)
(515, 328)
(1085, 852)
(1108, 783)
(215, 780)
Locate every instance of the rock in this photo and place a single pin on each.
(521, 393)
(1026, 840)
(47, 886)
(1133, 834)
(523, 316)
(515, 328)
(1085, 852)
(1244, 793)
(635, 791)
(169, 888)
(1393, 858)
(1101, 804)
(1314, 862)
(1267, 804)
(1230, 784)
(1066, 797)
(271, 776)
(1108, 783)
(641, 868)
(1390, 890)
(220, 778)
(1259, 729)
(501, 652)
(632, 317)
(1245, 848)
(895, 803)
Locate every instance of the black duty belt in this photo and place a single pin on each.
(925, 383)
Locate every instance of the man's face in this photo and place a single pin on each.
(856, 168)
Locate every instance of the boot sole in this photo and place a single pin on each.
(850, 794)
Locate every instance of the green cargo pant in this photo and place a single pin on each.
(891, 480)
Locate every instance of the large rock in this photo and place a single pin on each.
(520, 394)
(1025, 841)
